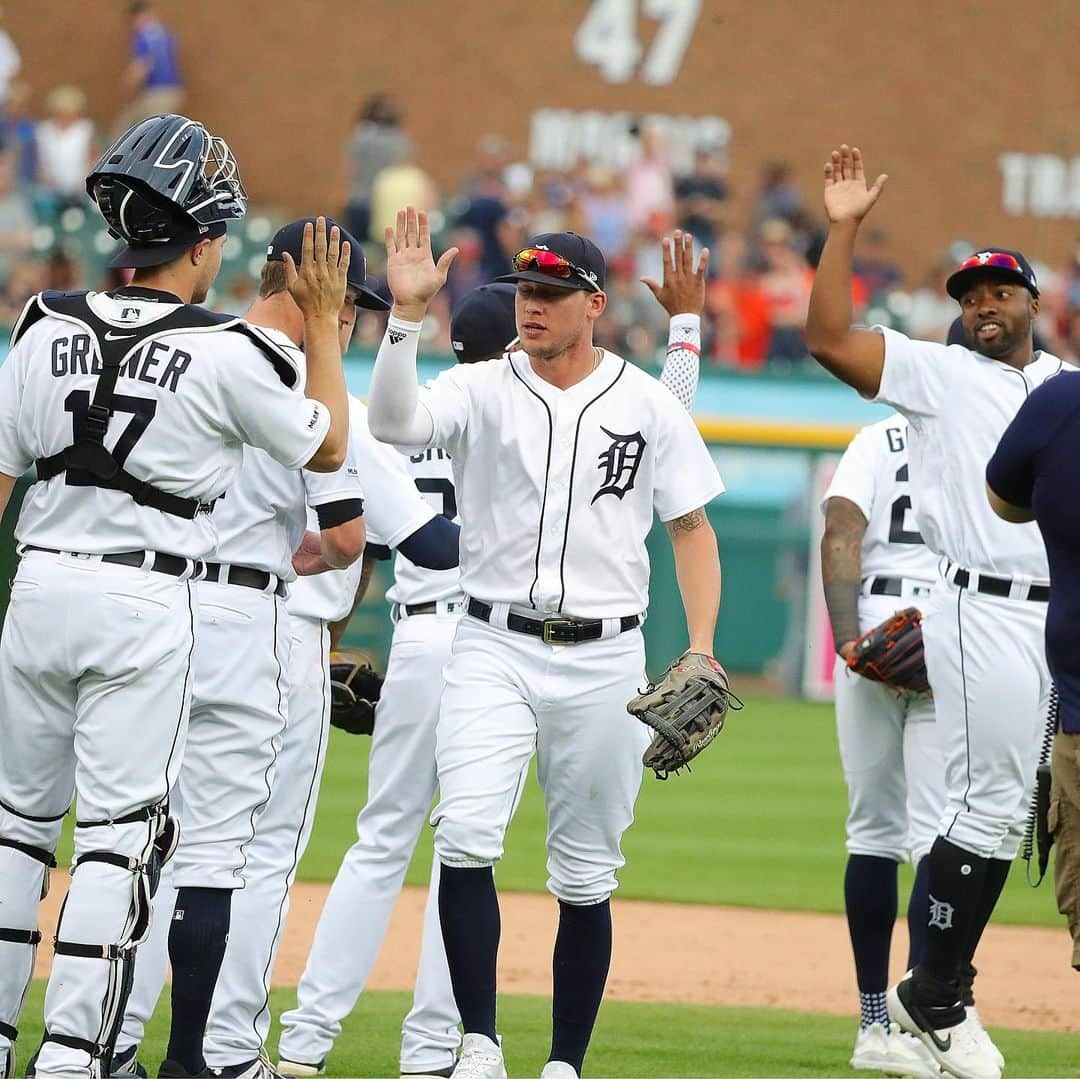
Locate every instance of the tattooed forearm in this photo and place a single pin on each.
(686, 523)
(841, 567)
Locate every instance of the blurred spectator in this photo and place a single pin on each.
(778, 197)
(10, 62)
(931, 309)
(18, 134)
(549, 203)
(16, 220)
(467, 270)
(700, 198)
(66, 148)
(492, 161)
(27, 276)
(152, 78)
(633, 322)
(64, 270)
(401, 184)
(739, 309)
(238, 295)
(650, 189)
(786, 283)
(875, 268)
(603, 211)
(376, 142)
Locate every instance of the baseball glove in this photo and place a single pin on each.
(892, 653)
(686, 708)
(354, 691)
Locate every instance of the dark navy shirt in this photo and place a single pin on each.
(1037, 465)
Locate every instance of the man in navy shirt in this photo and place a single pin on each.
(1032, 477)
(153, 75)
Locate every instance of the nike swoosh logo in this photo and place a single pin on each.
(110, 336)
(944, 1044)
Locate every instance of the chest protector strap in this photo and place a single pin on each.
(86, 460)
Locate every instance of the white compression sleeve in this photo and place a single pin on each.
(683, 361)
(395, 414)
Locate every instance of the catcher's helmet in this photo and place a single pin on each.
(165, 184)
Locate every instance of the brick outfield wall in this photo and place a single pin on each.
(933, 93)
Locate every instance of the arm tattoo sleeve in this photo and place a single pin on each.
(841, 567)
(686, 523)
(682, 364)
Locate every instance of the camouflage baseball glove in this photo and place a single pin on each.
(686, 708)
(354, 691)
(892, 653)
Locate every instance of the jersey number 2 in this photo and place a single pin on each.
(444, 489)
(142, 411)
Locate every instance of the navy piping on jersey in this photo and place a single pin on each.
(570, 492)
(967, 729)
(547, 471)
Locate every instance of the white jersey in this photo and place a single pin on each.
(557, 488)
(958, 403)
(393, 511)
(185, 405)
(873, 473)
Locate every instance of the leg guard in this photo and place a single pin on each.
(26, 856)
(110, 898)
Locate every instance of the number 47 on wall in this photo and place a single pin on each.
(608, 38)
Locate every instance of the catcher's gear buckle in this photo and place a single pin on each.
(554, 628)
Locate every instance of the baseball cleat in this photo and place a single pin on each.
(126, 1062)
(920, 1006)
(878, 1049)
(481, 1058)
(558, 1069)
(297, 1069)
(173, 1069)
(980, 1033)
(439, 1073)
(250, 1069)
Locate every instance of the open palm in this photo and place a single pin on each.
(412, 274)
(847, 196)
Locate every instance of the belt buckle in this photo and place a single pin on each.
(552, 626)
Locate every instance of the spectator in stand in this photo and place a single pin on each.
(10, 62)
(27, 277)
(64, 270)
(932, 309)
(778, 198)
(485, 210)
(376, 142)
(492, 161)
(633, 323)
(152, 78)
(786, 283)
(66, 149)
(16, 220)
(700, 198)
(650, 189)
(877, 270)
(467, 270)
(603, 211)
(738, 309)
(403, 183)
(18, 134)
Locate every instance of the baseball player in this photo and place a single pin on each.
(560, 455)
(394, 513)
(134, 405)
(401, 771)
(983, 625)
(874, 562)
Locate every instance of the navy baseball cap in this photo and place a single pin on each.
(587, 268)
(184, 235)
(290, 238)
(483, 324)
(1000, 261)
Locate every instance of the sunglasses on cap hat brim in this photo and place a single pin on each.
(546, 267)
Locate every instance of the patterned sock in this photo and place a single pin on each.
(197, 938)
(873, 1010)
(579, 969)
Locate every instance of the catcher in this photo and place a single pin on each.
(876, 571)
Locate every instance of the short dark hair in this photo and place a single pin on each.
(137, 7)
(272, 280)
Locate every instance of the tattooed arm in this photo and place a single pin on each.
(697, 569)
(841, 569)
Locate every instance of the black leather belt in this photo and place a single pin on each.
(1001, 586)
(553, 630)
(245, 577)
(172, 564)
(421, 608)
(887, 586)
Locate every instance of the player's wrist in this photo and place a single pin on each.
(690, 320)
(411, 314)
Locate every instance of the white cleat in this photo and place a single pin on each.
(956, 1049)
(893, 1052)
(984, 1037)
(558, 1069)
(481, 1058)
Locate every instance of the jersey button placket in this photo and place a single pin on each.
(555, 513)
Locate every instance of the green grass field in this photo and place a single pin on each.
(759, 823)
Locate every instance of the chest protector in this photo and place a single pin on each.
(86, 461)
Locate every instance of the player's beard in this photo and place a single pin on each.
(537, 351)
(1006, 343)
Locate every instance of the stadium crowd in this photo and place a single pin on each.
(762, 263)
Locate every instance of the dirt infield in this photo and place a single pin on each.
(719, 955)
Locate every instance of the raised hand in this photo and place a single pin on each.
(412, 274)
(318, 283)
(847, 196)
(683, 288)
